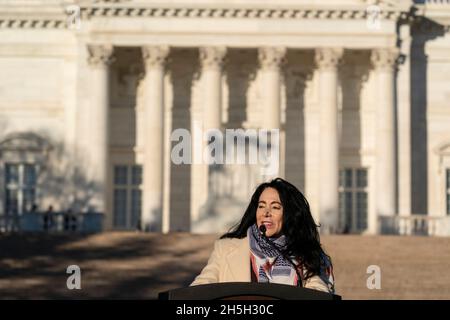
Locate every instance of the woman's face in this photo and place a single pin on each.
(270, 212)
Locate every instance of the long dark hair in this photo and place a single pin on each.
(299, 228)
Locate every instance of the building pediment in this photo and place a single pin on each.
(24, 142)
(443, 149)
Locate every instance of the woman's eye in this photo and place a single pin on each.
(260, 207)
(276, 208)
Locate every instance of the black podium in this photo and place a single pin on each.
(245, 291)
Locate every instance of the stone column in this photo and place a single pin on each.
(404, 130)
(154, 60)
(384, 62)
(211, 60)
(99, 58)
(327, 60)
(271, 60)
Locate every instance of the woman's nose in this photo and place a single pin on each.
(267, 213)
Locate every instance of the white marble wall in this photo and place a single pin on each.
(46, 88)
(37, 95)
(438, 120)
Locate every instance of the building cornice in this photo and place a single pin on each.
(37, 16)
(56, 17)
(23, 23)
(437, 10)
(240, 12)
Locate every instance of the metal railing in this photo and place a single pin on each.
(437, 1)
(415, 224)
(52, 222)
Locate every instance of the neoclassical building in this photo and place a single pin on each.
(91, 92)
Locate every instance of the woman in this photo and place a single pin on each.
(276, 241)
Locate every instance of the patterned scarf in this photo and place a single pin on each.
(268, 264)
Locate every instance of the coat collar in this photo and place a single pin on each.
(239, 261)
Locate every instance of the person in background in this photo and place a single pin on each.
(48, 219)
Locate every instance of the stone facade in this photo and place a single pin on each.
(91, 91)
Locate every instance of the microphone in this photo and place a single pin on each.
(262, 228)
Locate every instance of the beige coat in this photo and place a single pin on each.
(230, 262)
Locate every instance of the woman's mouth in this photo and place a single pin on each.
(268, 224)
